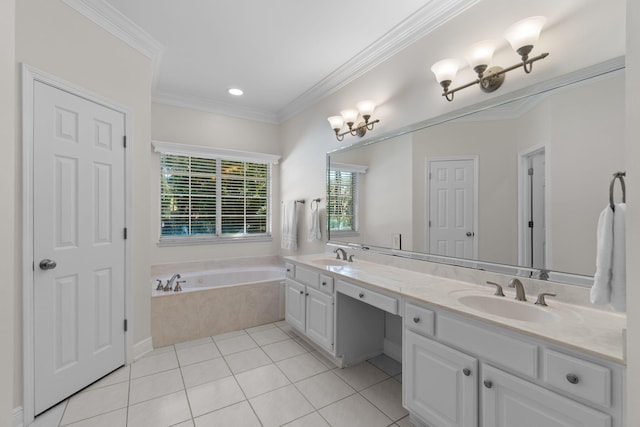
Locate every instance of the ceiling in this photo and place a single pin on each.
(284, 54)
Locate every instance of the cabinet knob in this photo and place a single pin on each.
(324, 283)
(301, 292)
(488, 384)
(361, 295)
(288, 270)
(466, 372)
(416, 319)
(573, 378)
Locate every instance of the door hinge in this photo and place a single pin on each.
(125, 233)
(530, 171)
(125, 325)
(124, 141)
(429, 175)
(530, 224)
(429, 223)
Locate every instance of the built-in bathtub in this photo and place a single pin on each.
(216, 297)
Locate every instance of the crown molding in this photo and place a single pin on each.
(113, 21)
(215, 107)
(416, 26)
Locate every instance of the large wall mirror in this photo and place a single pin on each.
(515, 187)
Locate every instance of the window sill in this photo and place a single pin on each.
(335, 234)
(207, 240)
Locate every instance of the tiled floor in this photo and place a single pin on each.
(264, 376)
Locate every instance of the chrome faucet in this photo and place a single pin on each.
(339, 251)
(169, 284)
(516, 283)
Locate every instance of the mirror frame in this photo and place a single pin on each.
(591, 72)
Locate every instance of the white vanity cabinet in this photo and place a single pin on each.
(309, 305)
(458, 371)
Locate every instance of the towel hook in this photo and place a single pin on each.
(617, 175)
(301, 201)
(317, 202)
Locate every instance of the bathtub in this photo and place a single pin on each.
(215, 300)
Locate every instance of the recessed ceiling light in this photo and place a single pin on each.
(235, 91)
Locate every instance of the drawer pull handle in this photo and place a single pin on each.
(466, 372)
(324, 283)
(416, 319)
(361, 295)
(573, 378)
(288, 270)
(488, 384)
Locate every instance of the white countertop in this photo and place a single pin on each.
(585, 329)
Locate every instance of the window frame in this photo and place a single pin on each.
(356, 175)
(219, 155)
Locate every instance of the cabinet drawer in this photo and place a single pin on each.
(373, 298)
(419, 319)
(307, 276)
(578, 377)
(290, 269)
(326, 284)
(509, 352)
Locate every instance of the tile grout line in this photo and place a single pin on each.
(186, 395)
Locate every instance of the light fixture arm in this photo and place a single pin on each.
(526, 64)
(360, 130)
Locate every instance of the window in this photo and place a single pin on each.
(342, 189)
(207, 198)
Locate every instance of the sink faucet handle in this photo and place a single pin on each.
(541, 301)
(178, 288)
(498, 291)
(159, 287)
(351, 258)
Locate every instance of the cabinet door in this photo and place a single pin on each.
(509, 401)
(320, 318)
(295, 305)
(439, 383)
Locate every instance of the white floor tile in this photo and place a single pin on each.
(303, 343)
(120, 375)
(288, 329)
(52, 417)
(387, 365)
(323, 359)
(283, 350)
(246, 360)
(405, 422)
(198, 353)
(238, 415)
(204, 372)
(87, 404)
(236, 344)
(260, 328)
(354, 411)
(214, 395)
(387, 396)
(269, 336)
(312, 420)
(324, 389)
(300, 367)
(111, 419)
(228, 335)
(193, 343)
(280, 406)
(162, 411)
(155, 385)
(361, 376)
(188, 423)
(261, 380)
(153, 364)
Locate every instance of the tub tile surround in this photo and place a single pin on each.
(582, 327)
(292, 389)
(167, 270)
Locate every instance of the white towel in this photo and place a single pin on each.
(618, 263)
(601, 290)
(289, 226)
(609, 282)
(314, 229)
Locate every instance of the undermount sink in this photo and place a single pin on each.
(329, 262)
(509, 308)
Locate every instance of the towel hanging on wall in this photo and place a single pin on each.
(289, 225)
(314, 228)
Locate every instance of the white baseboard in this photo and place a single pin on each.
(141, 348)
(393, 350)
(17, 417)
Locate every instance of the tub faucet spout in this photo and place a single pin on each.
(169, 284)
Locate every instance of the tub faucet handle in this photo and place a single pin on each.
(159, 287)
(178, 288)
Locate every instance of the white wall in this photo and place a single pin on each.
(55, 39)
(193, 127)
(633, 212)
(8, 189)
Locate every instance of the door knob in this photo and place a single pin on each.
(470, 234)
(47, 264)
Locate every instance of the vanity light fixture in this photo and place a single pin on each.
(365, 110)
(521, 36)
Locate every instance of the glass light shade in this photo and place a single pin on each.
(336, 122)
(349, 116)
(445, 69)
(366, 108)
(525, 32)
(481, 53)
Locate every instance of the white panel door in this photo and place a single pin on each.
(295, 299)
(451, 208)
(79, 220)
(320, 318)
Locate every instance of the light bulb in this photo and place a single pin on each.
(479, 55)
(366, 108)
(445, 70)
(524, 34)
(349, 116)
(336, 122)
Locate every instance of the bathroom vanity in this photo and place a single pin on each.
(470, 358)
